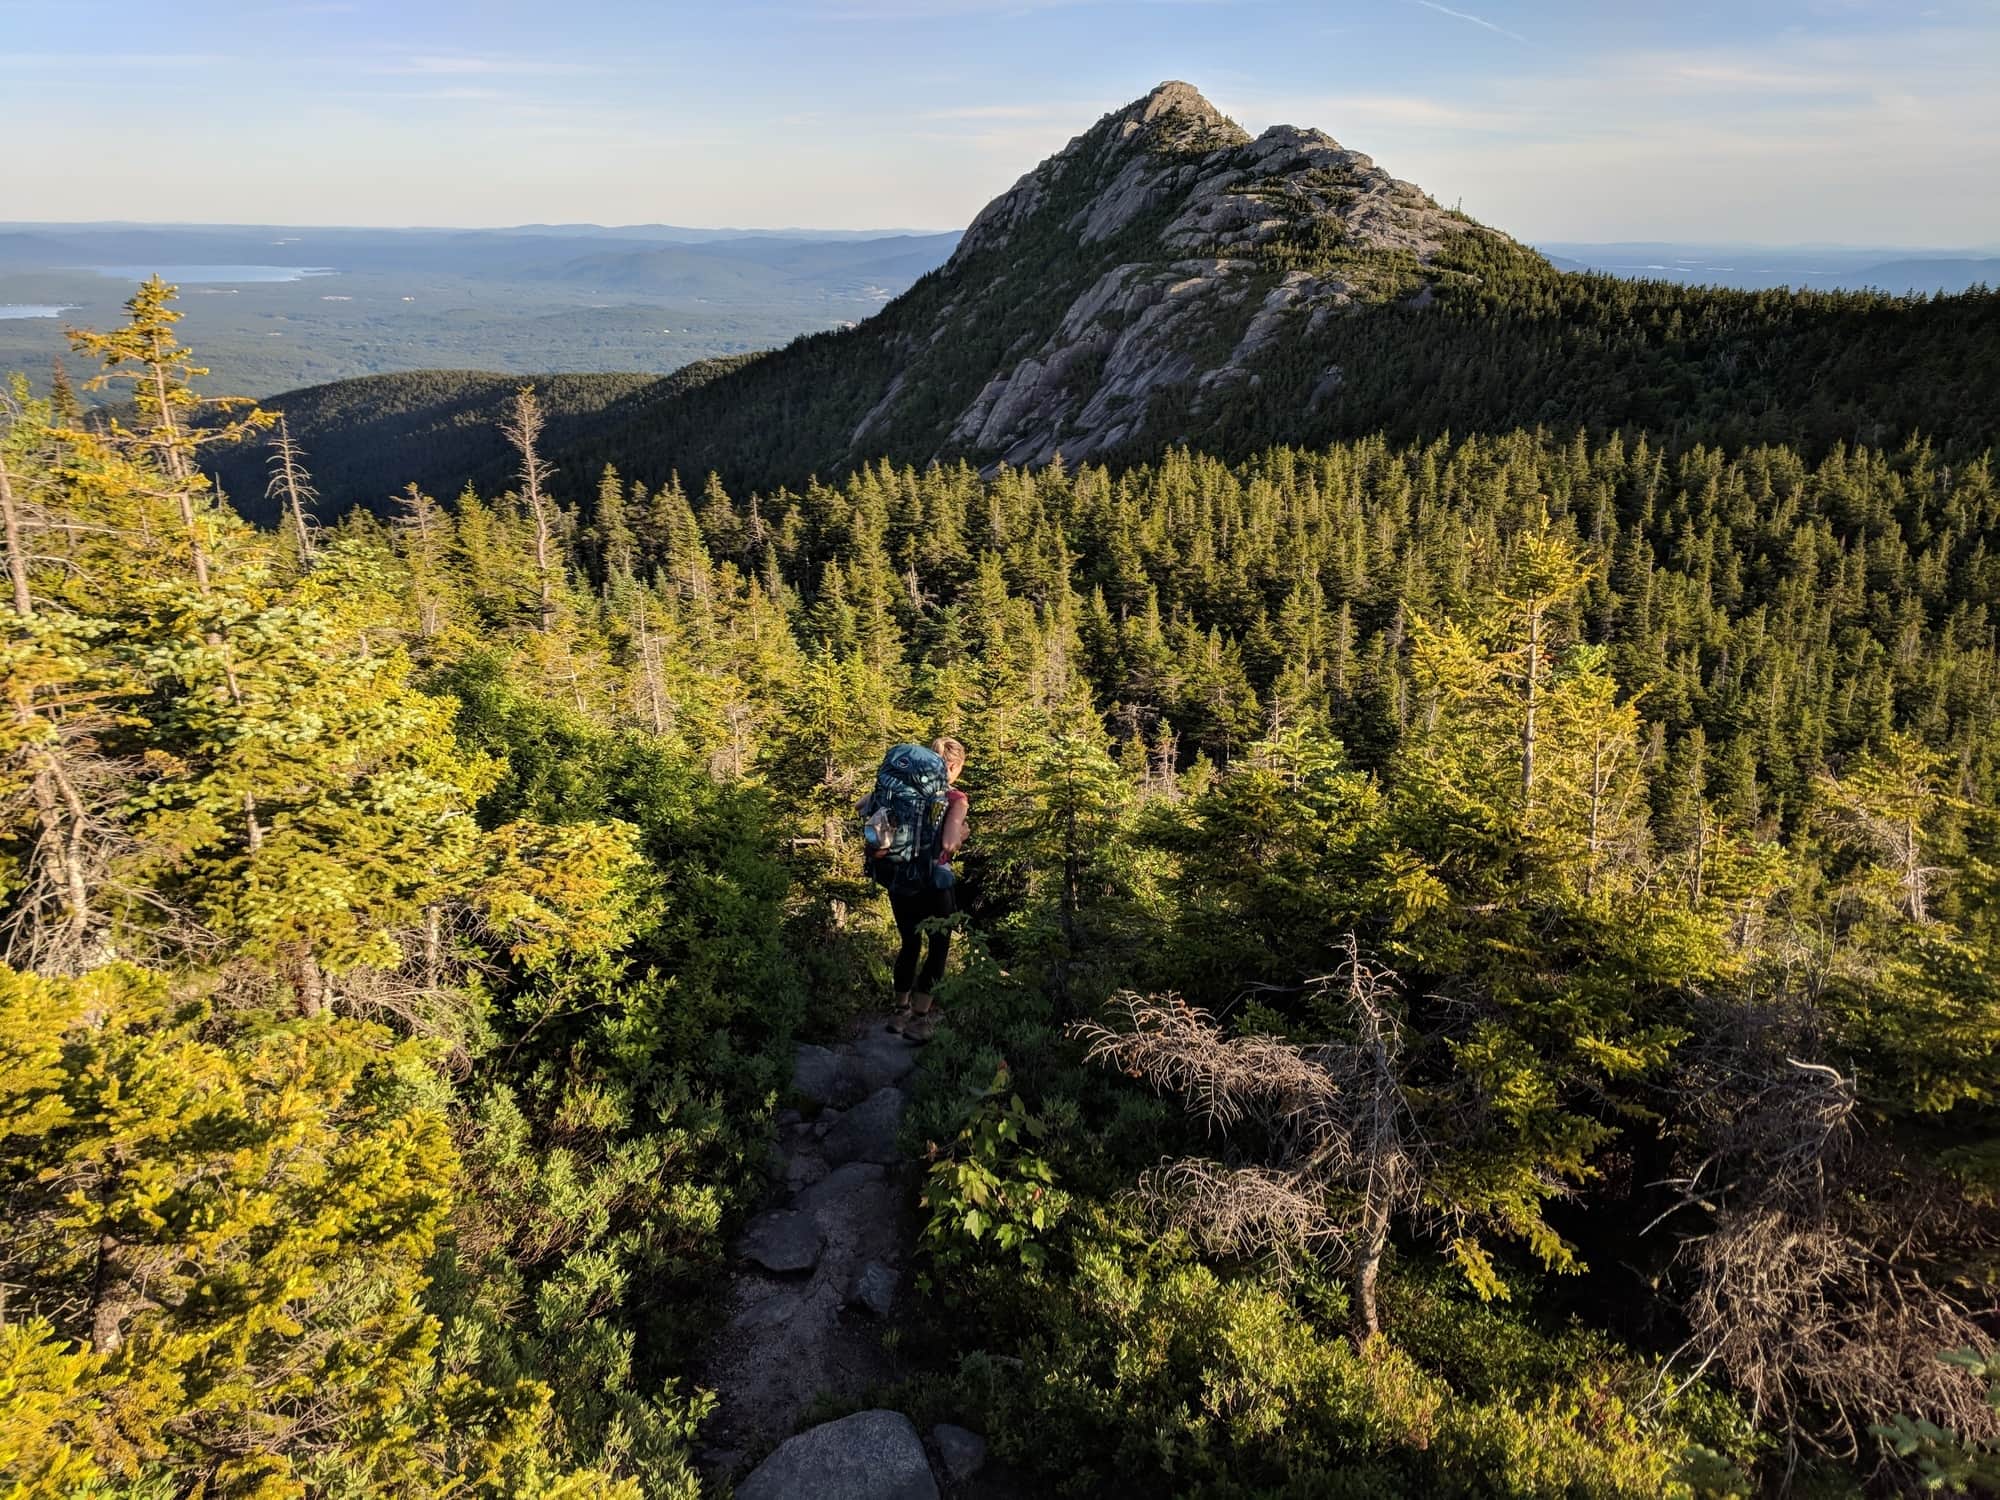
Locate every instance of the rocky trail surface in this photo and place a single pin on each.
(820, 1276)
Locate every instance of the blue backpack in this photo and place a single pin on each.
(902, 818)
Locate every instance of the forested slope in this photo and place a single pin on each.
(368, 438)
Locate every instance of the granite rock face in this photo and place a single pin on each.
(1214, 250)
(867, 1132)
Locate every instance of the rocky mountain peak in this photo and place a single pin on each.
(1166, 251)
(1172, 122)
(1177, 113)
(1174, 95)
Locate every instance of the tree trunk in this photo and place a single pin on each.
(1596, 805)
(175, 462)
(289, 481)
(523, 429)
(1528, 719)
(650, 666)
(17, 557)
(70, 861)
(309, 980)
(111, 1299)
(1368, 1268)
(1913, 873)
(433, 946)
(114, 1293)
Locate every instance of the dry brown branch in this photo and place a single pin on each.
(1344, 1156)
(1241, 1210)
(1823, 1278)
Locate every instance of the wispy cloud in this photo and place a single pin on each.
(87, 62)
(941, 10)
(1643, 143)
(482, 65)
(1071, 112)
(1462, 15)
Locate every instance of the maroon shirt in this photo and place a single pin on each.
(952, 835)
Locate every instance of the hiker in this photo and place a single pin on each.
(912, 825)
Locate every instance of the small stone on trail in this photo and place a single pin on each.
(867, 1132)
(803, 1171)
(872, 1455)
(840, 1185)
(959, 1450)
(881, 1058)
(874, 1290)
(783, 1240)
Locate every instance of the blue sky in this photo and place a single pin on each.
(1774, 121)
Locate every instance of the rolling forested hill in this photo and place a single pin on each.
(365, 439)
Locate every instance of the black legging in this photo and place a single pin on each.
(912, 908)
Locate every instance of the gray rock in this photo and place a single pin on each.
(843, 1183)
(802, 1171)
(962, 1452)
(824, 1076)
(797, 1137)
(867, 1132)
(874, 1290)
(872, 1455)
(783, 1240)
(881, 1058)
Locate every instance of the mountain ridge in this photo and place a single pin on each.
(1166, 278)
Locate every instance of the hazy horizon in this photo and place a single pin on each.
(779, 231)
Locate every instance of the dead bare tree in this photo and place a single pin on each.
(57, 778)
(291, 485)
(523, 429)
(1825, 1272)
(1344, 1157)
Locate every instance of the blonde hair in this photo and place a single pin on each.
(952, 753)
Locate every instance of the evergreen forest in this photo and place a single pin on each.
(1478, 974)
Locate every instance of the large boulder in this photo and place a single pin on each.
(872, 1455)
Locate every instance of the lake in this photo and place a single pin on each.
(35, 309)
(190, 275)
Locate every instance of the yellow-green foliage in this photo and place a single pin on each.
(549, 892)
(250, 1208)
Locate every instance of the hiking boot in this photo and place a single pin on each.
(923, 1023)
(900, 1017)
